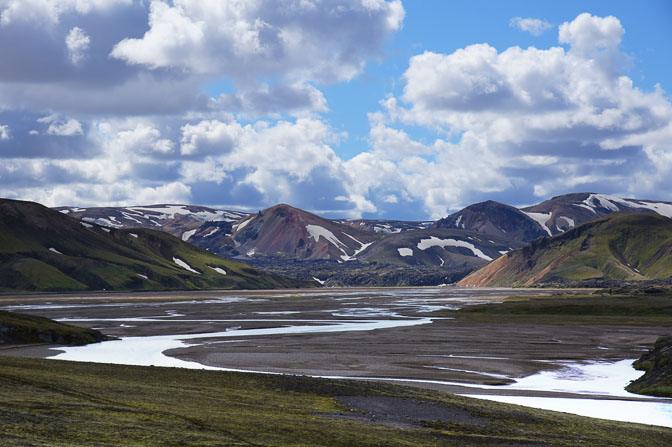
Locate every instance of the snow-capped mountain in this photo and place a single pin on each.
(290, 233)
(439, 247)
(183, 221)
(561, 213)
(496, 219)
(548, 218)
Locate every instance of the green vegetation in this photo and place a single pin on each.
(57, 403)
(44, 250)
(619, 246)
(580, 309)
(657, 381)
(20, 328)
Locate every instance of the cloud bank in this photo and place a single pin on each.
(223, 103)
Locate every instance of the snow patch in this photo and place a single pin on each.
(603, 201)
(240, 226)
(219, 270)
(103, 222)
(319, 280)
(583, 205)
(86, 225)
(107, 230)
(405, 251)
(612, 203)
(187, 234)
(362, 246)
(55, 251)
(570, 222)
(503, 252)
(434, 241)
(169, 212)
(211, 232)
(129, 217)
(134, 235)
(316, 231)
(142, 276)
(184, 265)
(541, 219)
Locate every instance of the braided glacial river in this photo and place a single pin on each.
(395, 335)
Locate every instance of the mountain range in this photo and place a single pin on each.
(547, 218)
(466, 240)
(45, 250)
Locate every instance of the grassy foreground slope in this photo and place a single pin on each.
(44, 250)
(619, 247)
(57, 403)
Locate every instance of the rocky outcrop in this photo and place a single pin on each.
(657, 380)
(19, 329)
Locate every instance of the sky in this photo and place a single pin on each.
(347, 108)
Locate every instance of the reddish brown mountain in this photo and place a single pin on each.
(290, 232)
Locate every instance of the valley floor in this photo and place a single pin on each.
(423, 340)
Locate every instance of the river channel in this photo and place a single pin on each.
(396, 335)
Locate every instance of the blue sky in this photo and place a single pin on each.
(348, 108)
(445, 26)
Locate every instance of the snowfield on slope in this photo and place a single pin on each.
(405, 251)
(434, 241)
(185, 266)
(611, 203)
(169, 212)
(219, 270)
(541, 219)
(316, 231)
(187, 234)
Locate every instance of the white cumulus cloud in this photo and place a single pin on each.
(77, 42)
(544, 121)
(536, 27)
(588, 32)
(50, 11)
(66, 128)
(4, 132)
(247, 39)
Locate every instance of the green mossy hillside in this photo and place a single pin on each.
(616, 247)
(44, 250)
(597, 308)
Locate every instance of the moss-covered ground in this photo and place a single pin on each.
(58, 403)
(19, 328)
(577, 308)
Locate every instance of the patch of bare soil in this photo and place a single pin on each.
(402, 413)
